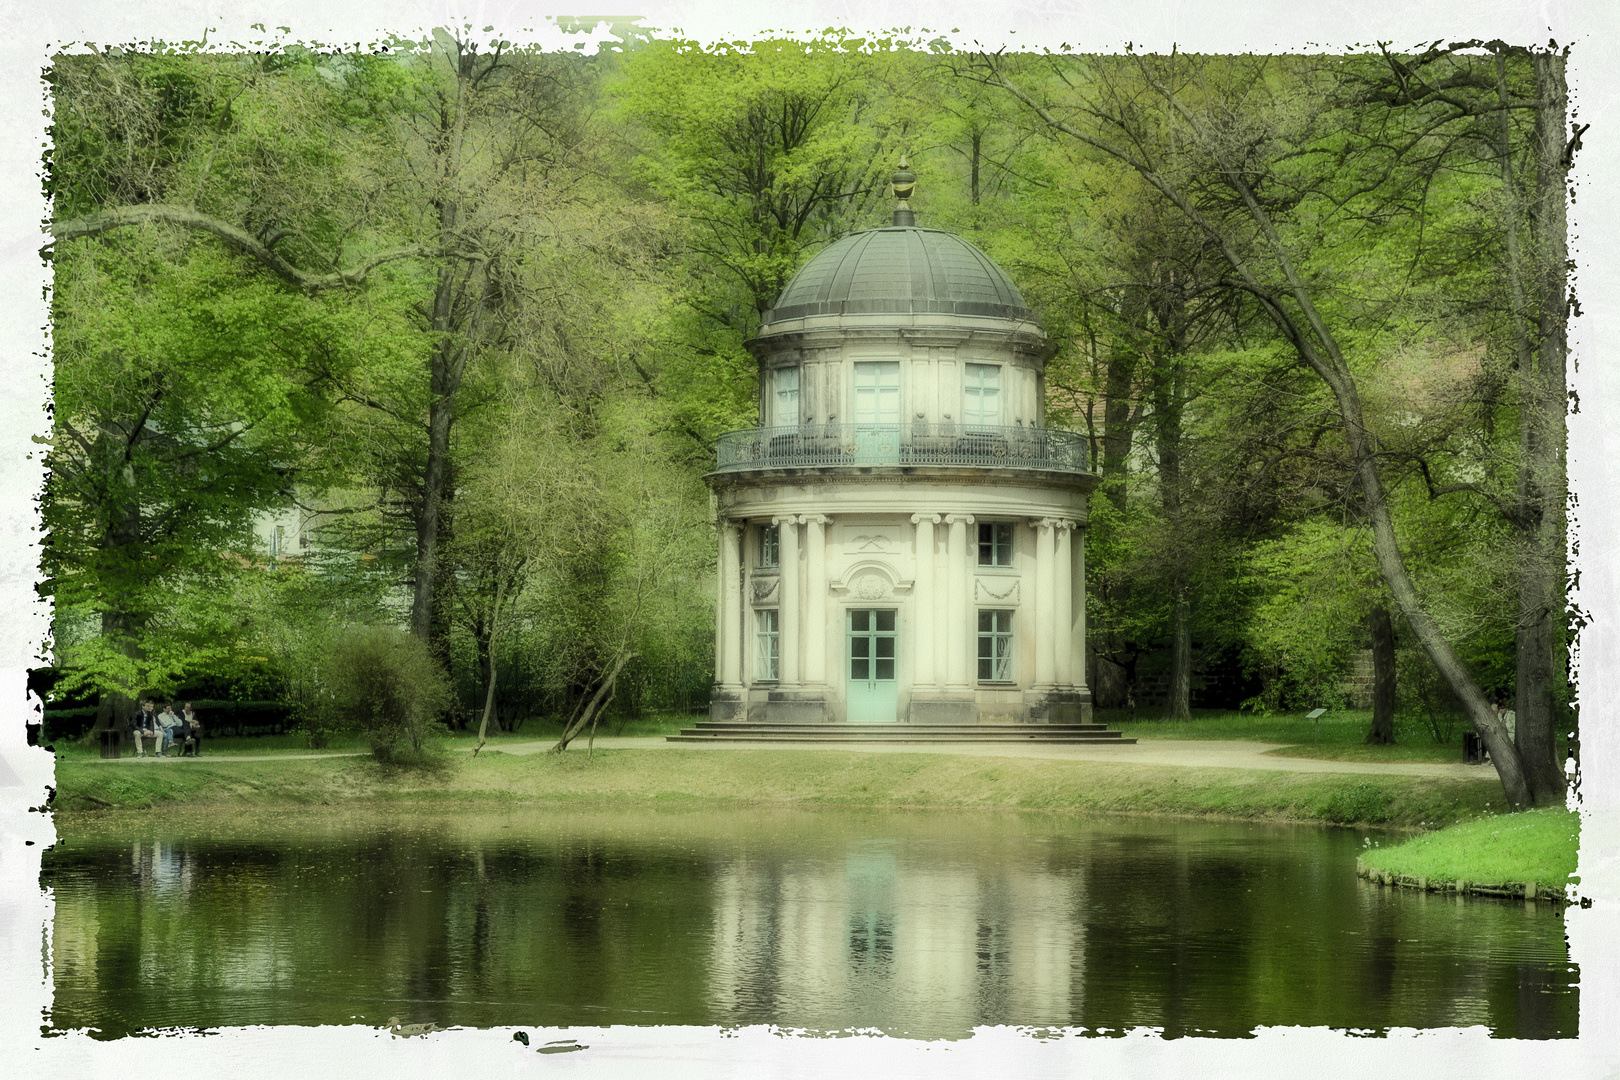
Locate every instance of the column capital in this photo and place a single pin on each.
(1044, 523)
(788, 519)
(952, 519)
(1066, 524)
(918, 519)
(816, 519)
(732, 524)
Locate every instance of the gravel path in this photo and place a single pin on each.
(1202, 753)
(1207, 753)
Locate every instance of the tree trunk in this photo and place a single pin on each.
(1119, 386)
(1179, 705)
(1382, 732)
(458, 297)
(487, 644)
(1167, 407)
(589, 715)
(441, 411)
(1542, 481)
(121, 538)
(590, 745)
(978, 138)
(483, 643)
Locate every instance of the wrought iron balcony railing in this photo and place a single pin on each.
(820, 445)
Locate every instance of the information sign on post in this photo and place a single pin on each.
(1316, 714)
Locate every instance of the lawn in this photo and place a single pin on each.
(1341, 735)
(776, 777)
(1535, 845)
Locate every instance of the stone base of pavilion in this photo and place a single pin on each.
(1016, 734)
(924, 708)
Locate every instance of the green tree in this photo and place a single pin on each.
(1247, 132)
(419, 176)
(184, 399)
(1497, 114)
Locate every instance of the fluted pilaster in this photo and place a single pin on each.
(959, 665)
(924, 671)
(815, 623)
(789, 607)
(1045, 607)
(1062, 616)
(728, 608)
(1077, 617)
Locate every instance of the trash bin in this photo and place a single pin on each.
(112, 743)
(1473, 749)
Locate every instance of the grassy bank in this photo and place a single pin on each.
(1340, 736)
(767, 777)
(1495, 851)
(653, 724)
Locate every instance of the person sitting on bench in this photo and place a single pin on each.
(146, 725)
(189, 732)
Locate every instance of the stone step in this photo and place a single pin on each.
(712, 725)
(988, 734)
(1097, 739)
(861, 736)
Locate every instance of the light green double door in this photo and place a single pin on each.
(871, 690)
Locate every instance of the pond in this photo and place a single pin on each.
(923, 925)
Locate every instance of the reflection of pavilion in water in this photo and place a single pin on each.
(902, 947)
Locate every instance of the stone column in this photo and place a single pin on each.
(729, 624)
(958, 673)
(923, 671)
(1062, 617)
(1045, 631)
(789, 605)
(1077, 639)
(815, 611)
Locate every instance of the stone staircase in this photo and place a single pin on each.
(992, 734)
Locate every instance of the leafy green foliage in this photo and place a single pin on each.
(385, 684)
(181, 408)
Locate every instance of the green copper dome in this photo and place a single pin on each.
(900, 270)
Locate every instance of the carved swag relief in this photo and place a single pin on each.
(764, 589)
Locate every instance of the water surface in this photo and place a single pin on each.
(923, 925)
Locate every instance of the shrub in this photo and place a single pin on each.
(1426, 697)
(383, 683)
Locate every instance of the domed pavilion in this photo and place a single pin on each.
(902, 537)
